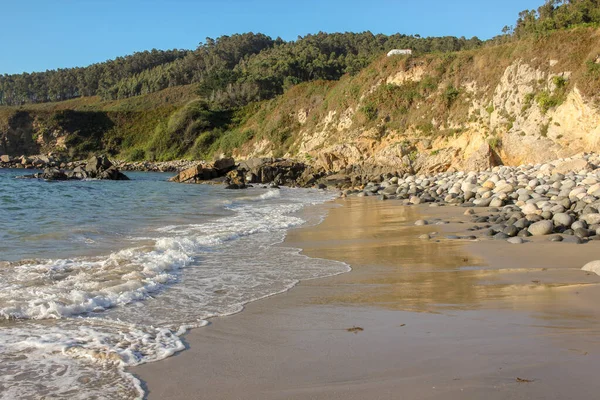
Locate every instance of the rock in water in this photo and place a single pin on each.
(592, 266)
(100, 167)
(236, 179)
(53, 174)
(541, 228)
(96, 164)
(195, 174)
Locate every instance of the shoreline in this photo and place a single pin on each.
(420, 312)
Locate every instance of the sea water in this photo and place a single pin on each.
(96, 276)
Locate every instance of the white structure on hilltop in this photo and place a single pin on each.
(399, 52)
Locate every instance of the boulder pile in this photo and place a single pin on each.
(40, 161)
(559, 197)
(275, 171)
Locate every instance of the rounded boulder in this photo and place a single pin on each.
(562, 219)
(541, 228)
(592, 266)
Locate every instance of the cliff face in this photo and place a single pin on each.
(16, 136)
(521, 102)
(516, 103)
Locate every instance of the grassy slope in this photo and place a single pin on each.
(130, 122)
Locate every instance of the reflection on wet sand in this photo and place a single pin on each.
(494, 322)
(393, 268)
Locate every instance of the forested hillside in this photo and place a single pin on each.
(230, 70)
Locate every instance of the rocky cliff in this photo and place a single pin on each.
(516, 103)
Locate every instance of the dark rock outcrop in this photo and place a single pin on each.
(224, 165)
(196, 174)
(236, 179)
(54, 174)
(99, 167)
(279, 171)
(205, 172)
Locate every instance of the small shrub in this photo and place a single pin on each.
(428, 84)
(544, 130)
(426, 128)
(137, 155)
(494, 142)
(559, 81)
(450, 95)
(490, 109)
(232, 140)
(202, 145)
(370, 111)
(529, 98)
(527, 102)
(593, 68)
(546, 101)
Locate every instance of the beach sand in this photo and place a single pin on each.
(433, 319)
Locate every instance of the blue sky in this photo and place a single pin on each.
(47, 34)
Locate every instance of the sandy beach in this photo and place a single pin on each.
(432, 319)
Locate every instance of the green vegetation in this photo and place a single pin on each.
(559, 81)
(370, 111)
(546, 100)
(230, 70)
(191, 125)
(558, 14)
(494, 142)
(69, 83)
(527, 101)
(450, 95)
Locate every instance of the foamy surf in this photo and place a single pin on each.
(72, 326)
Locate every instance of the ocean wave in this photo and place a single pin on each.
(76, 324)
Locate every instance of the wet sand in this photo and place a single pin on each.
(437, 319)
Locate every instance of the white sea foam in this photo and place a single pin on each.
(72, 325)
